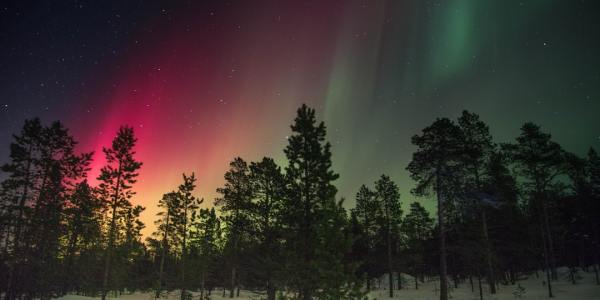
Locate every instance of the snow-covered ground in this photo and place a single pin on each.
(585, 289)
(534, 288)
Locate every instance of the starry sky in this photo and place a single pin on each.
(203, 82)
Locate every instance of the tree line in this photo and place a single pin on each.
(503, 212)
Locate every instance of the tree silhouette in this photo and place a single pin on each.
(284, 232)
(310, 197)
(366, 212)
(593, 169)
(268, 192)
(389, 198)
(435, 165)
(84, 216)
(476, 148)
(234, 202)
(538, 160)
(42, 171)
(116, 180)
(187, 205)
(418, 228)
(204, 246)
(165, 230)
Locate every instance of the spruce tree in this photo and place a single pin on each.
(115, 189)
(166, 232)
(234, 205)
(204, 247)
(418, 228)
(83, 228)
(268, 192)
(388, 197)
(188, 204)
(310, 199)
(366, 212)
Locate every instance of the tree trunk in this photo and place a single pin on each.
(184, 253)
(111, 238)
(232, 288)
(108, 254)
(471, 282)
(270, 291)
(163, 255)
(551, 258)
(512, 275)
(546, 260)
(442, 241)
(202, 285)
(582, 260)
(399, 280)
(391, 284)
(488, 252)
(595, 242)
(389, 256)
(480, 287)
(596, 274)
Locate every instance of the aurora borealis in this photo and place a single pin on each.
(204, 82)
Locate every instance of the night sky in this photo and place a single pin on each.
(203, 82)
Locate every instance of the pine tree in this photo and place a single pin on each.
(83, 227)
(389, 198)
(234, 203)
(165, 231)
(436, 165)
(336, 273)
(593, 170)
(204, 246)
(18, 196)
(476, 147)
(130, 251)
(366, 212)
(188, 204)
(510, 234)
(539, 161)
(418, 228)
(115, 189)
(42, 170)
(268, 192)
(18, 188)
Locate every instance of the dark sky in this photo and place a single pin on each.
(203, 82)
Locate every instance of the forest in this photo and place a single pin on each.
(502, 211)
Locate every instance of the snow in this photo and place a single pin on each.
(585, 289)
(534, 288)
(174, 295)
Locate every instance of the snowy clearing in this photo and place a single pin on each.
(585, 289)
